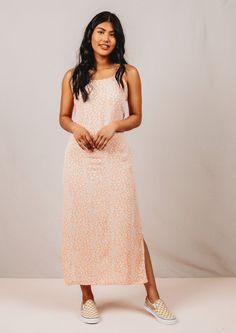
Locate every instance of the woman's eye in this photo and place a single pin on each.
(112, 35)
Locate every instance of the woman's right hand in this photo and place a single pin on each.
(83, 137)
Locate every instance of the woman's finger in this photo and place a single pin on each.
(81, 144)
(98, 139)
(101, 142)
(104, 144)
(90, 140)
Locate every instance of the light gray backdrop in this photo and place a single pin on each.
(184, 150)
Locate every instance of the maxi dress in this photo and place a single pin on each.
(102, 239)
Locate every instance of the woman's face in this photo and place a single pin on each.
(103, 35)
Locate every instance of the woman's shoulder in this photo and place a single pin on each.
(67, 79)
(69, 72)
(130, 68)
(68, 76)
(131, 72)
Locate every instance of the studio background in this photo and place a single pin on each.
(184, 150)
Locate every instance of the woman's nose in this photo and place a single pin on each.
(105, 38)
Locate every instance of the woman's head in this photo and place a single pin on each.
(104, 28)
(103, 39)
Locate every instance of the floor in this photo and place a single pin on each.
(204, 305)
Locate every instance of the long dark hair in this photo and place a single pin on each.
(81, 77)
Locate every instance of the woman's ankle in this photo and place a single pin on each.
(153, 295)
(86, 297)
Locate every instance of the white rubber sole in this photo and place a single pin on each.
(89, 320)
(161, 320)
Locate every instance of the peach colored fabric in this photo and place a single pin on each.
(102, 232)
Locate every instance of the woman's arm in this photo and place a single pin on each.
(134, 101)
(66, 104)
(81, 134)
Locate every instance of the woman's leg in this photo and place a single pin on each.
(86, 292)
(150, 286)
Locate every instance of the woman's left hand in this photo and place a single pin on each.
(104, 135)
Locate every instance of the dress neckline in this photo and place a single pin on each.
(106, 78)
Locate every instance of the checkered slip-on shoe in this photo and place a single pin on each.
(89, 312)
(160, 311)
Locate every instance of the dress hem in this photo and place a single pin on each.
(103, 283)
(76, 282)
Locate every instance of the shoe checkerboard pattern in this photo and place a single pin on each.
(160, 311)
(89, 312)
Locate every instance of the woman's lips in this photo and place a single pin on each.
(104, 47)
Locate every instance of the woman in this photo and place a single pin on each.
(102, 235)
